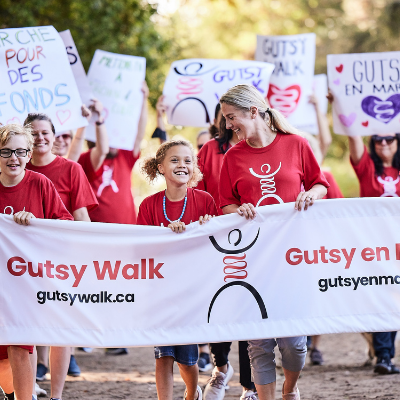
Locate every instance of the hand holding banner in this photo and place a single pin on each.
(77, 67)
(193, 87)
(37, 77)
(116, 80)
(366, 95)
(292, 79)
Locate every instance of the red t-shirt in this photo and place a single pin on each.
(198, 204)
(210, 161)
(35, 194)
(386, 185)
(112, 187)
(268, 175)
(70, 181)
(334, 191)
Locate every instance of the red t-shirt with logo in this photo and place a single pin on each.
(386, 185)
(70, 181)
(112, 187)
(210, 162)
(334, 191)
(268, 175)
(198, 204)
(35, 194)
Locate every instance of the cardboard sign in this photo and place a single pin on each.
(193, 87)
(366, 93)
(77, 67)
(37, 78)
(292, 79)
(116, 80)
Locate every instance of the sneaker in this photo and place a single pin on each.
(117, 352)
(199, 394)
(39, 391)
(291, 396)
(73, 369)
(216, 385)
(382, 366)
(85, 349)
(316, 357)
(204, 362)
(248, 395)
(394, 369)
(41, 372)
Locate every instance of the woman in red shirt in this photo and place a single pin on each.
(268, 166)
(25, 195)
(176, 207)
(75, 192)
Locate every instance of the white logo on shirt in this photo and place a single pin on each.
(11, 209)
(107, 180)
(389, 186)
(267, 183)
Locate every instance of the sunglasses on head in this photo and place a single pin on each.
(380, 139)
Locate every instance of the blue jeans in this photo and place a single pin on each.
(383, 343)
(187, 354)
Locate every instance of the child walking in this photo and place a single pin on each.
(176, 207)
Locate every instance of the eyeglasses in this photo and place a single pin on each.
(7, 153)
(379, 139)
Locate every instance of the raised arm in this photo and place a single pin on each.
(142, 120)
(324, 134)
(160, 131)
(100, 151)
(75, 149)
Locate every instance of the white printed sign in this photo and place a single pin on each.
(366, 94)
(116, 285)
(116, 80)
(37, 77)
(292, 80)
(77, 67)
(193, 87)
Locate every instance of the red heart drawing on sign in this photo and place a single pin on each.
(63, 116)
(339, 68)
(284, 100)
(365, 123)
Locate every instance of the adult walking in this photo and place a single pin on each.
(268, 147)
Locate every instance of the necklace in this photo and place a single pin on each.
(165, 210)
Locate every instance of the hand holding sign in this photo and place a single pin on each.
(193, 87)
(366, 90)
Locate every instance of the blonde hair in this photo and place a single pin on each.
(150, 165)
(10, 130)
(246, 96)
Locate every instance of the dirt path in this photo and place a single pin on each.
(343, 375)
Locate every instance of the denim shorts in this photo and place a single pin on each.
(187, 354)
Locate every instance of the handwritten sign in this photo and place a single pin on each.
(77, 67)
(292, 79)
(193, 87)
(116, 80)
(320, 89)
(366, 89)
(37, 77)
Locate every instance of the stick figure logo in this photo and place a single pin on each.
(246, 285)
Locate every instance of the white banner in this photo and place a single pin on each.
(292, 80)
(332, 269)
(365, 88)
(193, 87)
(116, 80)
(37, 77)
(77, 67)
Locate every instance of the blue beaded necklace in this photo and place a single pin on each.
(165, 210)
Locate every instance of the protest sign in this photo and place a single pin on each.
(366, 94)
(320, 90)
(77, 67)
(292, 79)
(116, 285)
(37, 77)
(193, 87)
(116, 80)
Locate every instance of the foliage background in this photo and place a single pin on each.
(165, 30)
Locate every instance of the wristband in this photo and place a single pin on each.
(98, 123)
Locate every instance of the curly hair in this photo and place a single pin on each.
(150, 165)
(9, 130)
